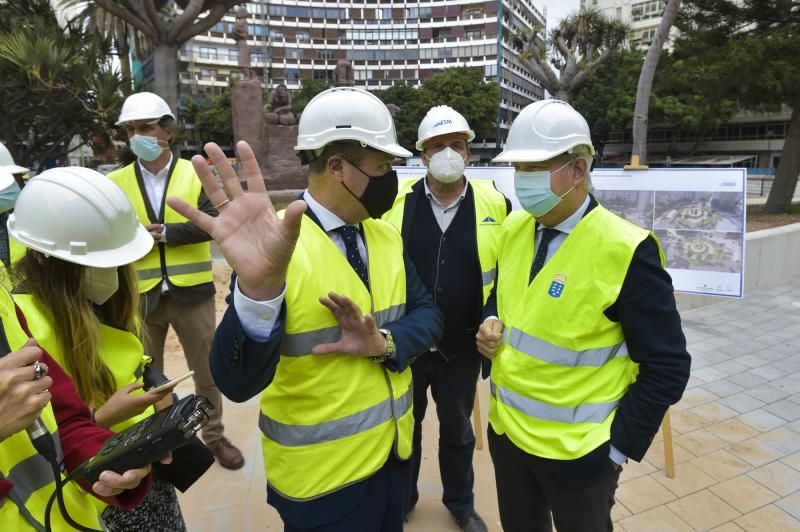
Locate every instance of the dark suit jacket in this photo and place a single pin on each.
(651, 325)
(243, 368)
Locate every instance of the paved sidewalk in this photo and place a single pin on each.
(736, 437)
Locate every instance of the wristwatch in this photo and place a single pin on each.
(389, 347)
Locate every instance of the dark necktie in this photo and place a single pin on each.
(349, 236)
(548, 234)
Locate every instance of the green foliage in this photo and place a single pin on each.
(462, 88)
(310, 88)
(55, 84)
(607, 100)
(212, 118)
(747, 51)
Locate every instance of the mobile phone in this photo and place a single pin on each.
(171, 383)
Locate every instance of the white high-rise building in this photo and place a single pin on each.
(642, 15)
(387, 43)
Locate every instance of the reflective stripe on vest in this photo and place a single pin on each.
(547, 352)
(490, 212)
(295, 435)
(585, 413)
(184, 265)
(300, 344)
(180, 269)
(489, 277)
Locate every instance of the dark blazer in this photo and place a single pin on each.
(651, 325)
(243, 367)
(178, 234)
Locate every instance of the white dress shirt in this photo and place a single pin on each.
(258, 317)
(444, 215)
(155, 186)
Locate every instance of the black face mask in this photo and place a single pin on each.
(380, 193)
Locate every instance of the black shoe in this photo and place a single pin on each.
(471, 523)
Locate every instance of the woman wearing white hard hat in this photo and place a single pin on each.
(77, 288)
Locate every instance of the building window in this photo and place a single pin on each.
(292, 74)
(325, 54)
(233, 54)
(293, 53)
(303, 36)
(208, 52)
(647, 10)
(208, 74)
(323, 75)
(257, 57)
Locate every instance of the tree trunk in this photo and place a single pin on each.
(780, 197)
(124, 52)
(165, 68)
(646, 76)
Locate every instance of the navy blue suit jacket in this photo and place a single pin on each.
(243, 367)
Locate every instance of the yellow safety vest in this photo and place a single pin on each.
(186, 265)
(121, 351)
(24, 507)
(15, 252)
(330, 421)
(490, 212)
(563, 366)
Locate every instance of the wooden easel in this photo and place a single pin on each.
(666, 424)
(476, 420)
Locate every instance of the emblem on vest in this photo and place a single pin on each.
(557, 286)
(488, 220)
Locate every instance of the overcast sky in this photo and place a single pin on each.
(557, 9)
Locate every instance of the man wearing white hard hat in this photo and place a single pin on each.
(326, 317)
(176, 283)
(450, 226)
(11, 183)
(585, 339)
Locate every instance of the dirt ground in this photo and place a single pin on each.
(759, 221)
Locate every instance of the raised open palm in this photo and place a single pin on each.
(254, 240)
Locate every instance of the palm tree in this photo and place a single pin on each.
(645, 87)
(563, 61)
(167, 29)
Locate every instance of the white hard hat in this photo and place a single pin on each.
(80, 216)
(143, 106)
(442, 120)
(6, 178)
(7, 162)
(543, 130)
(347, 113)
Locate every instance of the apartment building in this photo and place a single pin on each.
(386, 42)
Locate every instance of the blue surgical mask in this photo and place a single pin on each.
(146, 148)
(533, 191)
(8, 197)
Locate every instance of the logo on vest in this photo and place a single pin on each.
(489, 220)
(557, 286)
